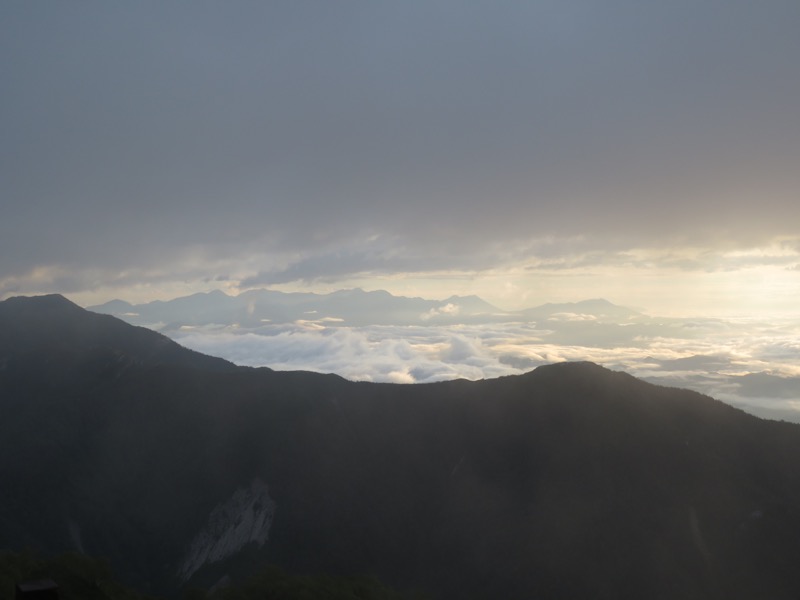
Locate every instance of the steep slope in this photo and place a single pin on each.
(53, 328)
(571, 481)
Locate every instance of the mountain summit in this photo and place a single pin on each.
(51, 329)
(571, 481)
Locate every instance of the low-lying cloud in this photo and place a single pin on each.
(384, 354)
(750, 365)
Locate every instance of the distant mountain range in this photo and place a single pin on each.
(376, 336)
(570, 481)
(354, 307)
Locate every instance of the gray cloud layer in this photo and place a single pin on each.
(184, 137)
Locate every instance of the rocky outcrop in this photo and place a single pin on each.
(245, 517)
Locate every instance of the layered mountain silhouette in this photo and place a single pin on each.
(255, 308)
(353, 307)
(571, 481)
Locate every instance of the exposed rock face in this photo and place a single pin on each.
(245, 517)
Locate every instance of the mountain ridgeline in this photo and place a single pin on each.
(356, 307)
(571, 481)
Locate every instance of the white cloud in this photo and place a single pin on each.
(707, 356)
(567, 316)
(448, 309)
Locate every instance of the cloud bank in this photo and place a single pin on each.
(750, 365)
(158, 148)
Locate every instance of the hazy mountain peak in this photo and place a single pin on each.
(472, 301)
(595, 302)
(590, 302)
(217, 294)
(113, 306)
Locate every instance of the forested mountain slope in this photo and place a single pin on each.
(571, 481)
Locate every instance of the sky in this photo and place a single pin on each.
(527, 152)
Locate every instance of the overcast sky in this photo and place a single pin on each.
(534, 151)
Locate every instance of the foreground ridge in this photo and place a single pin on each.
(569, 481)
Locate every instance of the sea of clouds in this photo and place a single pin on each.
(750, 364)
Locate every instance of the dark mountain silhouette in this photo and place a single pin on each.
(571, 481)
(56, 329)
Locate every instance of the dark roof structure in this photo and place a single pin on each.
(43, 589)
